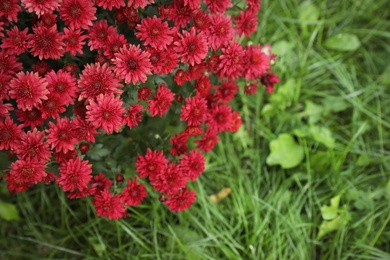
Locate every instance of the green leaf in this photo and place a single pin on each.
(343, 42)
(322, 135)
(97, 245)
(329, 226)
(8, 211)
(190, 240)
(285, 152)
(282, 47)
(313, 111)
(332, 211)
(321, 160)
(284, 95)
(308, 11)
(97, 152)
(334, 104)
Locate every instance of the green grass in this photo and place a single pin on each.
(272, 213)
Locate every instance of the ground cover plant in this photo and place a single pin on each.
(308, 171)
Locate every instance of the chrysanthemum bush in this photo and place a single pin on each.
(104, 97)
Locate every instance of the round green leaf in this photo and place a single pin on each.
(343, 42)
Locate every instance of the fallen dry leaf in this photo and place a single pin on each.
(222, 194)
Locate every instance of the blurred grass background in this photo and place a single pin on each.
(329, 124)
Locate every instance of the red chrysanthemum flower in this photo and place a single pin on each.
(231, 61)
(61, 135)
(181, 201)
(77, 13)
(50, 177)
(4, 86)
(179, 143)
(74, 174)
(220, 117)
(180, 14)
(41, 67)
(253, 6)
(161, 101)
(196, 71)
(195, 111)
(134, 116)
(246, 23)
(251, 89)
(226, 91)
(62, 157)
(134, 193)
(208, 141)
(47, 20)
(220, 31)
(192, 164)
(113, 44)
(4, 109)
(109, 4)
(100, 183)
(98, 79)
(84, 130)
(10, 133)
(139, 3)
(193, 4)
(10, 9)
(9, 63)
(236, 122)
(144, 93)
(109, 206)
(194, 130)
(14, 185)
(28, 170)
(269, 80)
(201, 20)
(106, 113)
(40, 7)
(163, 62)
(31, 118)
(28, 89)
(203, 86)
(219, 6)
(63, 84)
(74, 41)
(151, 164)
(16, 41)
(99, 33)
(46, 42)
(180, 77)
(256, 62)
(33, 146)
(52, 107)
(154, 32)
(170, 180)
(132, 64)
(191, 48)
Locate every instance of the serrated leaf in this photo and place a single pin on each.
(329, 226)
(285, 152)
(323, 135)
(8, 211)
(331, 212)
(343, 42)
(308, 11)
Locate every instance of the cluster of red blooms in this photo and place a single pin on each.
(51, 114)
